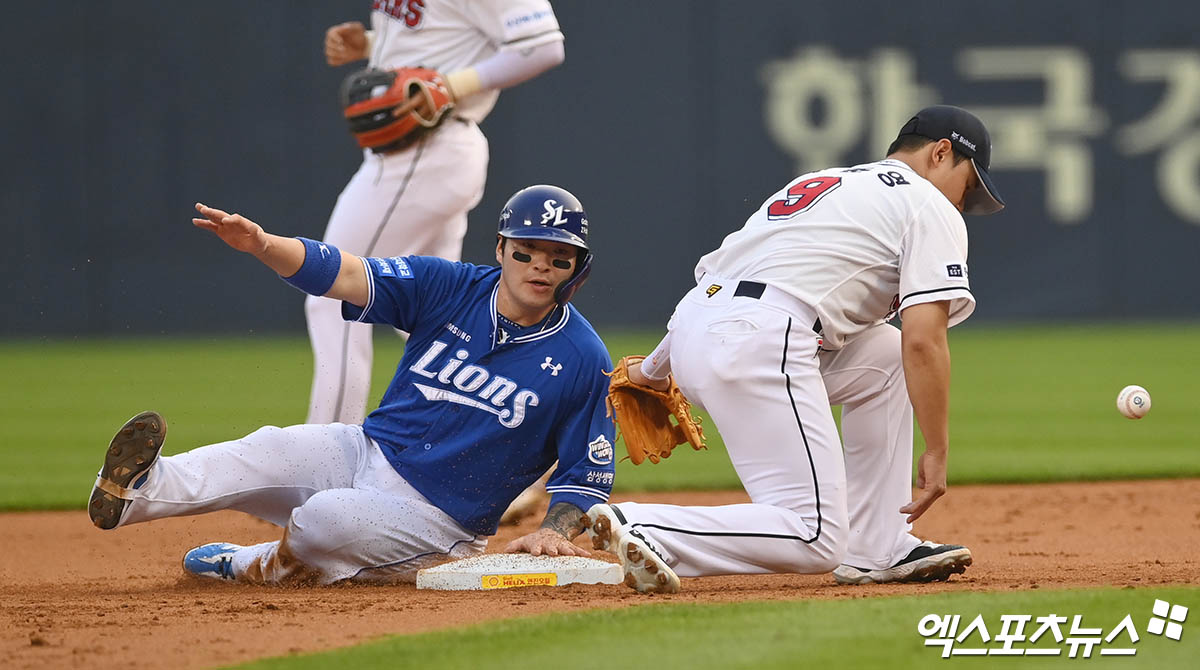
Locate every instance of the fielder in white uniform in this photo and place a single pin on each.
(788, 317)
(415, 200)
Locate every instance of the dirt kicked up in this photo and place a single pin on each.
(74, 596)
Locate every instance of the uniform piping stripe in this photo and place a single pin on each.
(337, 412)
(937, 290)
(708, 533)
(370, 290)
(396, 200)
(337, 407)
(799, 424)
(595, 493)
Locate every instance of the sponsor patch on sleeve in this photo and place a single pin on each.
(403, 271)
(392, 267)
(600, 451)
(956, 271)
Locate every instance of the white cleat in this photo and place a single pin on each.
(928, 562)
(645, 569)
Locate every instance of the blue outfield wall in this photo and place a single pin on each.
(671, 120)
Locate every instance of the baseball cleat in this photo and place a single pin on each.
(645, 569)
(928, 562)
(211, 560)
(131, 454)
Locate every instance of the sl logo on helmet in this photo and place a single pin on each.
(553, 215)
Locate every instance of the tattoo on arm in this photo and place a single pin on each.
(564, 519)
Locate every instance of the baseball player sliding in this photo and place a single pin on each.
(788, 317)
(501, 377)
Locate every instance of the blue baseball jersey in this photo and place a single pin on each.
(473, 415)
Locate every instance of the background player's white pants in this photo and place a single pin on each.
(754, 365)
(347, 513)
(412, 202)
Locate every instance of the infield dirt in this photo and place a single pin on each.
(74, 596)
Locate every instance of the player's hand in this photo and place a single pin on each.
(636, 376)
(547, 542)
(345, 43)
(931, 479)
(234, 229)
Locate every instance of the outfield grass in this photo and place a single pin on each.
(858, 633)
(1028, 404)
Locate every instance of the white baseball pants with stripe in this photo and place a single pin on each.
(346, 512)
(410, 202)
(755, 365)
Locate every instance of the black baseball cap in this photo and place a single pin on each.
(970, 138)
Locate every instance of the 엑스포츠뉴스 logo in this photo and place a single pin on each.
(1049, 634)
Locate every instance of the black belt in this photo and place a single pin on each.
(754, 289)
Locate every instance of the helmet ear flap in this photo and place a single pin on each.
(567, 289)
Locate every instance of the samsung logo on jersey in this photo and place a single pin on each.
(463, 335)
(493, 394)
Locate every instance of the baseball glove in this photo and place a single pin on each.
(643, 415)
(384, 107)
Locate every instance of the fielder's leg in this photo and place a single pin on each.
(754, 368)
(866, 377)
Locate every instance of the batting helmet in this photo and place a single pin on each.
(545, 212)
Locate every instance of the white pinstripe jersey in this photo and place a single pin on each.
(855, 244)
(448, 35)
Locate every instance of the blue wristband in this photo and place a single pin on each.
(320, 269)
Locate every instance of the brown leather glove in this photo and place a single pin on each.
(643, 415)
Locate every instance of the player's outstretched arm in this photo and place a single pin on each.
(926, 355)
(563, 522)
(285, 255)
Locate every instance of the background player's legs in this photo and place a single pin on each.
(380, 530)
(781, 439)
(267, 473)
(866, 377)
(413, 202)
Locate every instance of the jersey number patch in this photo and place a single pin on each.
(801, 196)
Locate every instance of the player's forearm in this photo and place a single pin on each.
(564, 519)
(316, 268)
(505, 68)
(351, 283)
(284, 255)
(927, 374)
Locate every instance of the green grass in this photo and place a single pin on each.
(857, 633)
(1028, 404)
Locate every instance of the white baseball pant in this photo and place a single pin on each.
(409, 202)
(755, 365)
(347, 513)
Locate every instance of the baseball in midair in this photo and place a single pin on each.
(1133, 402)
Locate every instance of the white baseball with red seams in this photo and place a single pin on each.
(1133, 402)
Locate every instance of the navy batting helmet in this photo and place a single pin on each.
(545, 212)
